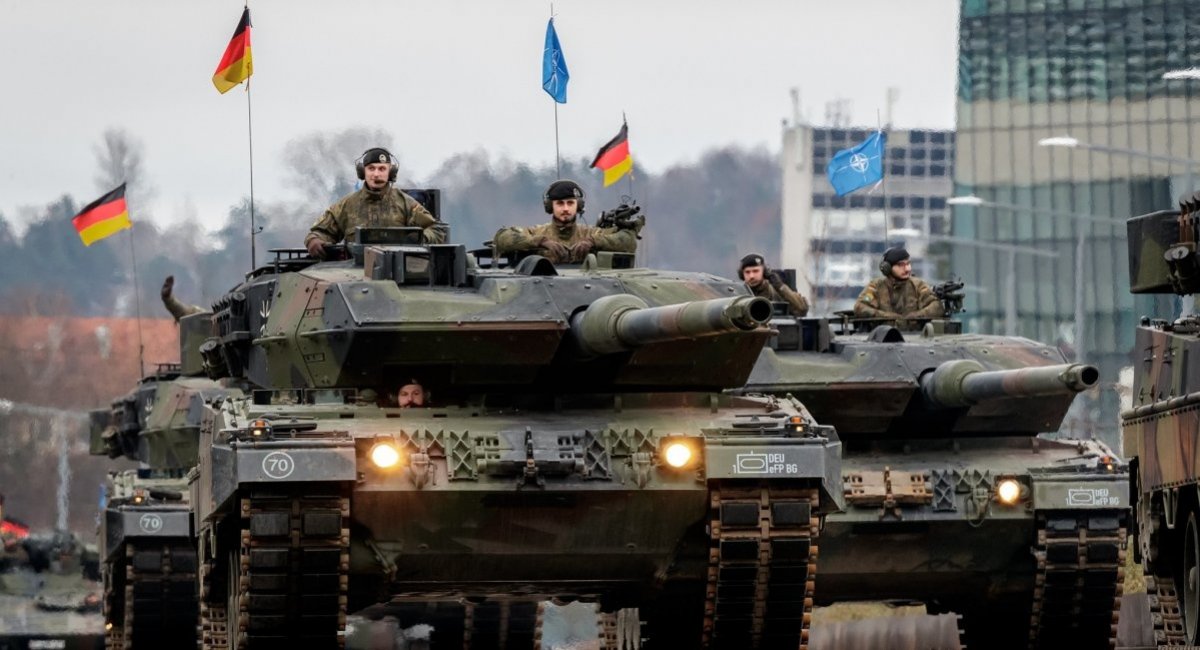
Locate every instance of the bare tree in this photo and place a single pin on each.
(119, 160)
(321, 165)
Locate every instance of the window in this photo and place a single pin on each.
(937, 170)
(896, 202)
(937, 203)
(858, 201)
(917, 202)
(916, 136)
(820, 200)
(896, 170)
(937, 154)
(918, 154)
(937, 137)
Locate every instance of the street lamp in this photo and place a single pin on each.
(1010, 289)
(975, 201)
(1187, 73)
(1074, 143)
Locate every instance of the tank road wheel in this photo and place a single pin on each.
(1191, 579)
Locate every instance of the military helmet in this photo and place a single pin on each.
(891, 257)
(376, 155)
(562, 189)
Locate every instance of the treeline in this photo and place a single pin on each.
(702, 216)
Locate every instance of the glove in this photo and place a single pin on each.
(316, 248)
(775, 278)
(581, 249)
(168, 287)
(555, 248)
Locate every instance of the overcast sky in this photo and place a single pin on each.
(443, 76)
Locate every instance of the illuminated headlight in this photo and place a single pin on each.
(1008, 491)
(108, 626)
(679, 452)
(260, 430)
(385, 455)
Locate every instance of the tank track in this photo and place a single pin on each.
(292, 570)
(762, 566)
(214, 631)
(158, 607)
(460, 623)
(1080, 575)
(1165, 613)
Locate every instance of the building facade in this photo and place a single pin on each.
(835, 242)
(1088, 71)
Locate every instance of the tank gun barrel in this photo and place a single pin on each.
(964, 382)
(621, 322)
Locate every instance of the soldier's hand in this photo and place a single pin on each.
(556, 248)
(775, 278)
(581, 249)
(168, 287)
(316, 248)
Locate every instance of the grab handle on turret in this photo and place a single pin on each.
(964, 382)
(622, 322)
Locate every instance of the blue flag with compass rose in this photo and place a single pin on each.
(858, 166)
(554, 66)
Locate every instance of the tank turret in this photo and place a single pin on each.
(964, 382)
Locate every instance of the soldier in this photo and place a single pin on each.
(376, 204)
(410, 394)
(563, 240)
(768, 283)
(178, 309)
(897, 295)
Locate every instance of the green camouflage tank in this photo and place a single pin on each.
(146, 535)
(953, 499)
(1160, 430)
(576, 446)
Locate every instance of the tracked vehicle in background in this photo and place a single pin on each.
(952, 497)
(578, 447)
(1162, 431)
(147, 543)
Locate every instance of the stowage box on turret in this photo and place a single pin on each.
(952, 497)
(575, 444)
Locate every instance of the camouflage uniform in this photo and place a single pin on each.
(888, 297)
(386, 207)
(515, 239)
(797, 305)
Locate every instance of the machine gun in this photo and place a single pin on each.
(951, 295)
(623, 217)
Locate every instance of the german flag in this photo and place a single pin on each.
(237, 65)
(103, 217)
(614, 157)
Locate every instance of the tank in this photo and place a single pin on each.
(1159, 430)
(49, 589)
(147, 539)
(953, 498)
(577, 446)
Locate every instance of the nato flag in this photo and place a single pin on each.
(857, 166)
(554, 66)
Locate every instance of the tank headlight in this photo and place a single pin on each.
(385, 455)
(1008, 491)
(678, 454)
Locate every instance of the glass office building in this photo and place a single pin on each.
(1091, 70)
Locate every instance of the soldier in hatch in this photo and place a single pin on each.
(897, 295)
(178, 309)
(768, 283)
(378, 203)
(563, 240)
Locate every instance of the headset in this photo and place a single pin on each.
(548, 204)
(885, 267)
(360, 165)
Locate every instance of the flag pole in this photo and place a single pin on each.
(137, 302)
(883, 178)
(250, 139)
(557, 155)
